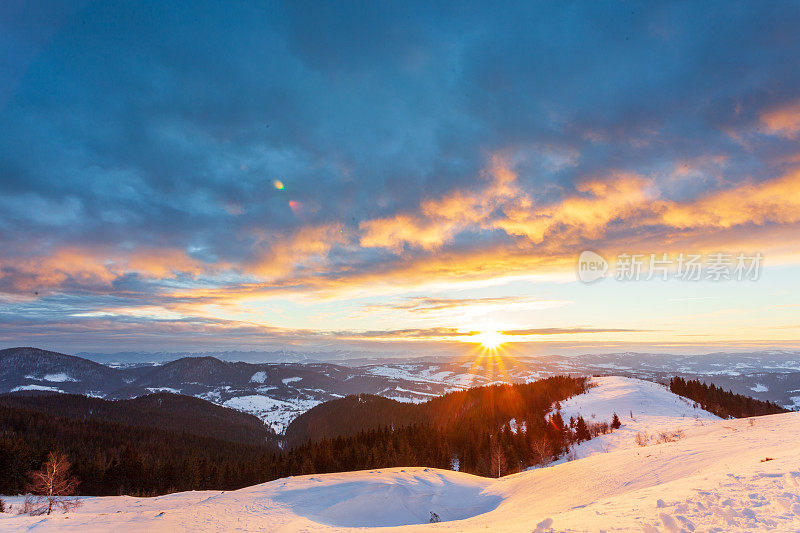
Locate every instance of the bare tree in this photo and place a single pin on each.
(498, 457)
(52, 486)
(542, 450)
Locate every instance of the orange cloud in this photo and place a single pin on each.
(306, 248)
(160, 263)
(586, 215)
(439, 220)
(31, 274)
(622, 211)
(502, 204)
(394, 232)
(783, 120)
(621, 200)
(776, 201)
(91, 267)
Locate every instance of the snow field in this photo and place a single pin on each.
(722, 475)
(277, 413)
(653, 407)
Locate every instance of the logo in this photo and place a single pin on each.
(591, 266)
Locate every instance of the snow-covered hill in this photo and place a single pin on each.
(280, 392)
(719, 475)
(645, 408)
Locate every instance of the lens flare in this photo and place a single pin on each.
(278, 184)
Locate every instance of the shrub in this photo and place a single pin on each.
(671, 436)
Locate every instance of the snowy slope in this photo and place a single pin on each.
(642, 406)
(714, 478)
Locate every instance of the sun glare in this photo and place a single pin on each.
(490, 340)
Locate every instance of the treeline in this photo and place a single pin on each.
(176, 413)
(458, 412)
(475, 436)
(481, 451)
(722, 403)
(488, 431)
(111, 458)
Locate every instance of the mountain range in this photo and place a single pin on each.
(278, 392)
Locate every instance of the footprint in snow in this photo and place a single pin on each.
(686, 522)
(669, 523)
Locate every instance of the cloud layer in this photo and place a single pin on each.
(416, 148)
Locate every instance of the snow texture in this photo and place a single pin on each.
(722, 475)
(277, 413)
(258, 377)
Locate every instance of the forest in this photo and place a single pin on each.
(163, 410)
(486, 431)
(722, 403)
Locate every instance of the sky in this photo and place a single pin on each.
(399, 177)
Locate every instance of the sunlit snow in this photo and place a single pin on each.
(722, 475)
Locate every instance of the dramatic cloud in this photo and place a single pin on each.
(308, 172)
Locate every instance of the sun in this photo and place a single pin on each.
(490, 340)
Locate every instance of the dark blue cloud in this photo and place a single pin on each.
(164, 124)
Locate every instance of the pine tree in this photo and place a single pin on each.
(615, 423)
(581, 430)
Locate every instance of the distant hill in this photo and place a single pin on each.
(275, 392)
(166, 411)
(37, 369)
(278, 392)
(461, 412)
